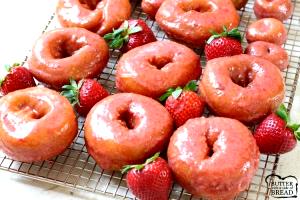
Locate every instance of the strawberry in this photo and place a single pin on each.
(16, 78)
(131, 34)
(84, 95)
(151, 180)
(227, 43)
(183, 104)
(276, 134)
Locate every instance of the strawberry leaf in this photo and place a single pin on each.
(233, 33)
(71, 92)
(283, 113)
(177, 92)
(191, 86)
(166, 95)
(135, 29)
(297, 135)
(294, 127)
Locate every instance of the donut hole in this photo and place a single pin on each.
(127, 119)
(241, 76)
(197, 8)
(211, 138)
(65, 48)
(89, 4)
(160, 62)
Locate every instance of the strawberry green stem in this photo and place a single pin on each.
(126, 168)
(191, 86)
(233, 33)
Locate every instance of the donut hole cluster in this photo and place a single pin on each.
(241, 76)
(91, 5)
(65, 48)
(160, 61)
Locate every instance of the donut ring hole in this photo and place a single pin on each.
(30, 108)
(128, 119)
(160, 62)
(66, 48)
(89, 4)
(241, 76)
(211, 138)
(197, 8)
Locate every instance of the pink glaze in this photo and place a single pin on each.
(126, 129)
(271, 52)
(214, 158)
(278, 9)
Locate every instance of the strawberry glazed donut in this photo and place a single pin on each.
(214, 158)
(126, 129)
(278, 9)
(99, 16)
(191, 21)
(153, 68)
(66, 53)
(271, 52)
(242, 87)
(36, 124)
(268, 30)
(150, 7)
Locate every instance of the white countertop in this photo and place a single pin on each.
(21, 24)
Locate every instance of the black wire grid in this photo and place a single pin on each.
(76, 169)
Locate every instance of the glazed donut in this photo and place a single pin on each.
(151, 7)
(268, 30)
(214, 158)
(152, 69)
(242, 87)
(191, 21)
(95, 15)
(271, 52)
(66, 53)
(126, 129)
(36, 124)
(278, 9)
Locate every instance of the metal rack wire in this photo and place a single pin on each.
(76, 169)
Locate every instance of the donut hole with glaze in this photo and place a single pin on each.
(65, 48)
(201, 7)
(128, 119)
(90, 4)
(241, 76)
(160, 62)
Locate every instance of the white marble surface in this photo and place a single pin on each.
(21, 23)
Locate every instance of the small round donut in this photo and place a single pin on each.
(97, 16)
(242, 87)
(214, 157)
(152, 69)
(126, 129)
(278, 9)
(269, 51)
(36, 124)
(66, 53)
(191, 21)
(268, 30)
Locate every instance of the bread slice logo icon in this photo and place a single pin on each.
(282, 187)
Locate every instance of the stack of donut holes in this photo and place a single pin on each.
(213, 157)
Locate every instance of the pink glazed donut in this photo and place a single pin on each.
(214, 157)
(278, 9)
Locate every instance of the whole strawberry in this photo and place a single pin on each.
(16, 78)
(227, 43)
(84, 95)
(151, 180)
(131, 34)
(183, 104)
(276, 134)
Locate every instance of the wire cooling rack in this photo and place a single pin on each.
(76, 169)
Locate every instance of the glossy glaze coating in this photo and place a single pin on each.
(278, 9)
(35, 124)
(213, 157)
(67, 53)
(269, 51)
(126, 129)
(268, 30)
(152, 69)
(151, 7)
(191, 21)
(242, 87)
(95, 15)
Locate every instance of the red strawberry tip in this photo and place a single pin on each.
(233, 33)
(8, 69)
(71, 91)
(190, 86)
(118, 37)
(127, 168)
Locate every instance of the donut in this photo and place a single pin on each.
(126, 129)
(242, 87)
(151, 7)
(66, 53)
(97, 16)
(214, 158)
(278, 9)
(152, 69)
(36, 124)
(271, 52)
(268, 30)
(191, 21)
